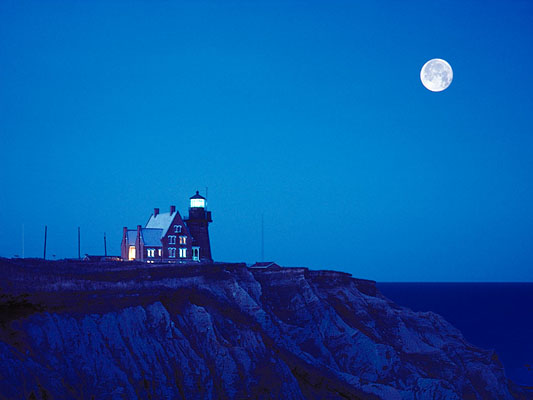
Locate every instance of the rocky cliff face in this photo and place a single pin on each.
(226, 332)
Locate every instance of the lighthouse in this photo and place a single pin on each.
(198, 224)
(169, 238)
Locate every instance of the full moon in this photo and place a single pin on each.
(436, 75)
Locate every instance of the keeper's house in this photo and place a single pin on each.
(168, 237)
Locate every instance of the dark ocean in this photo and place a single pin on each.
(495, 316)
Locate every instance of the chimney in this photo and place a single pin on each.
(172, 209)
(156, 212)
(125, 232)
(139, 227)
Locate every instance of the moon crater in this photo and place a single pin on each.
(436, 75)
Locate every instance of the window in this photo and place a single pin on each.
(159, 252)
(131, 254)
(150, 252)
(172, 239)
(183, 239)
(177, 228)
(171, 252)
(196, 254)
(183, 253)
(200, 203)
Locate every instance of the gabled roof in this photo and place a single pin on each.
(161, 221)
(152, 237)
(132, 235)
(265, 265)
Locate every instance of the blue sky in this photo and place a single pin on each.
(311, 113)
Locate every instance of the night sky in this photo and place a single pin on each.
(309, 113)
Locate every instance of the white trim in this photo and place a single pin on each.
(196, 253)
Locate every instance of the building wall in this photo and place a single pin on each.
(171, 232)
(198, 224)
(156, 253)
(124, 249)
(139, 246)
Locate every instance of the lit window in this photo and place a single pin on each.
(159, 252)
(172, 252)
(183, 253)
(198, 203)
(150, 252)
(131, 254)
(172, 239)
(183, 239)
(177, 228)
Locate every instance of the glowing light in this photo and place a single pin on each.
(197, 203)
(131, 255)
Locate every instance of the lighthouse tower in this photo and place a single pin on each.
(197, 222)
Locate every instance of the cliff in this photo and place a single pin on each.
(115, 331)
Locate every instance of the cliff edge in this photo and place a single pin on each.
(114, 331)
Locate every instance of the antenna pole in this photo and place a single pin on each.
(45, 231)
(79, 253)
(22, 240)
(262, 238)
(105, 246)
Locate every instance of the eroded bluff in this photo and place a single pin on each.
(227, 332)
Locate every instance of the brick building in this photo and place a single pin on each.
(170, 238)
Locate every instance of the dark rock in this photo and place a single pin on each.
(224, 331)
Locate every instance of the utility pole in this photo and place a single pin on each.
(79, 253)
(262, 237)
(22, 240)
(45, 231)
(105, 246)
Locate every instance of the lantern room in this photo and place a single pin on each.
(197, 201)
